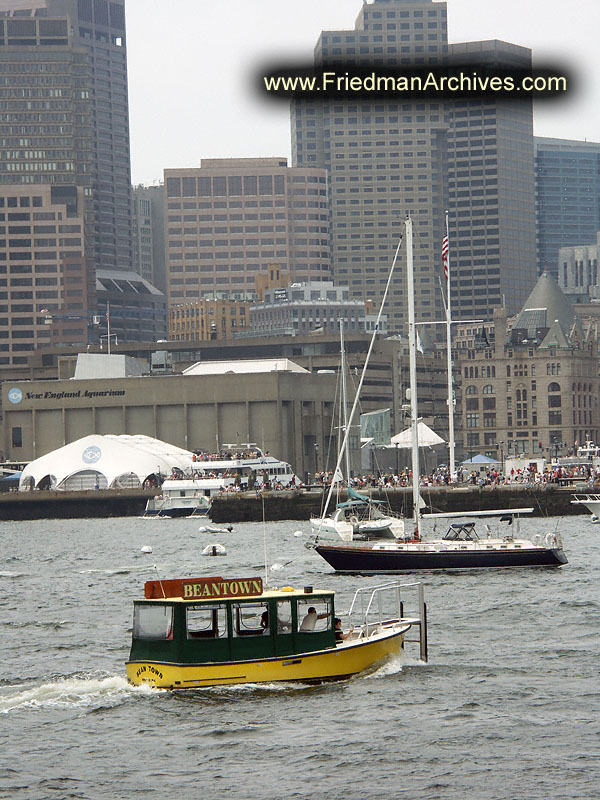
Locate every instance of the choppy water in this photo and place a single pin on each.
(507, 707)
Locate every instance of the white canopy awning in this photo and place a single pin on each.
(427, 437)
(105, 461)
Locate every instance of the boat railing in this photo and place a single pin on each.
(586, 498)
(374, 608)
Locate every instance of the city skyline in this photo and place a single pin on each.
(194, 98)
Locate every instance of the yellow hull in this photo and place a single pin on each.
(341, 662)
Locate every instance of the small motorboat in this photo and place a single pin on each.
(210, 529)
(195, 632)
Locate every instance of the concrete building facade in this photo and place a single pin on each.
(305, 307)
(230, 219)
(285, 413)
(578, 271)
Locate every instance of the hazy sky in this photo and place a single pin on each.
(191, 63)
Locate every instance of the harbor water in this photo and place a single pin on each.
(508, 705)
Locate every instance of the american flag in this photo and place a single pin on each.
(445, 254)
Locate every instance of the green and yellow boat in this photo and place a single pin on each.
(194, 632)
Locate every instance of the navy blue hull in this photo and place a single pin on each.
(365, 559)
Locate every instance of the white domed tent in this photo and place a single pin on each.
(101, 462)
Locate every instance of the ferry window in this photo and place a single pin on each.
(284, 616)
(314, 615)
(248, 619)
(206, 622)
(153, 622)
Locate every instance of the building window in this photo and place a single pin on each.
(17, 437)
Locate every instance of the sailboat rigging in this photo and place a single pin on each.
(359, 515)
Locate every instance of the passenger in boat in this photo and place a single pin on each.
(264, 621)
(339, 633)
(310, 620)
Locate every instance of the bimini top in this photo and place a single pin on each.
(102, 462)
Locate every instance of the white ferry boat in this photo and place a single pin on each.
(190, 493)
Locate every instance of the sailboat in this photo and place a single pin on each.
(358, 517)
(461, 547)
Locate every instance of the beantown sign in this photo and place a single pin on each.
(203, 588)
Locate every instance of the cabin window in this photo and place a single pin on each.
(250, 619)
(153, 622)
(284, 616)
(206, 622)
(314, 615)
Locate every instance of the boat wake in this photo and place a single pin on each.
(72, 692)
(394, 666)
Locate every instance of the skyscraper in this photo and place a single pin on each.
(422, 156)
(99, 27)
(46, 209)
(567, 197)
(491, 190)
(385, 157)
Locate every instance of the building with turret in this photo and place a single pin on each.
(532, 391)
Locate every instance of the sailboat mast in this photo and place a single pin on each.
(412, 353)
(362, 378)
(345, 398)
(446, 257)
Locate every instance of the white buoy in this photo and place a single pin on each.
(298, 533)
(146, 549)
(214, 550)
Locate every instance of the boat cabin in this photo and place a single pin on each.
(203, 620)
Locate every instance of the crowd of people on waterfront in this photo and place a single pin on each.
(465, 477)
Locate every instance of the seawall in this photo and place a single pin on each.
(549, 501)
(74, 505)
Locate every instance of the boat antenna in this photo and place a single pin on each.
(162, 588)
(265, 540)
(342, 449)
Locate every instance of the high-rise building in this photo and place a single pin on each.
(567, 187)
(385, 158)
(99, 27)
(47, 285)
(231, 219)
(389, 157)
(149, 235)
(491, 191)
